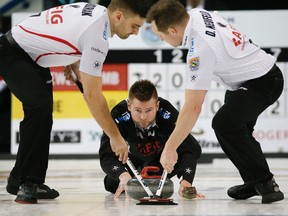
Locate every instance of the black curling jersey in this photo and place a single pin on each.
(146, 145)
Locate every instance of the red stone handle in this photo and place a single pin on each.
(145, 170)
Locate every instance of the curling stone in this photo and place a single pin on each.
(136, 191)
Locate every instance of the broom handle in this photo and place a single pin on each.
(77, 82)
(79, 85)
(161, 183)
(139, 178)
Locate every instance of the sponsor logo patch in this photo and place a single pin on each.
(194, 64)
(96, 64)
(125, 117)
(164, 113)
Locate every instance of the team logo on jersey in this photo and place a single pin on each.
(194, 64)
(165, 114)
(96, 64)
(125, 117)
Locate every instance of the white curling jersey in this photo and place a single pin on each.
(65, 34)
(217, 51)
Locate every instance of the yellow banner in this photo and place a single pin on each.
(70, 104)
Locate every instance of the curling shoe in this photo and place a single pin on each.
(269, 191)
(240, 192)
(27, 193)
(43, 191)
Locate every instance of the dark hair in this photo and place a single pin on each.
(143, 90)
(166, 13)
(138, 7)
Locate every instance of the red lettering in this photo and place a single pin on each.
(157, 144)
(56, 18)
(237, 34)
(141, 149)
(148, 147)
(235, 40)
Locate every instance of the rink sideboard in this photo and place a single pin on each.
(146, 57)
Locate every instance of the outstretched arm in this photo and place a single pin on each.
(98, 107)
(185, 122)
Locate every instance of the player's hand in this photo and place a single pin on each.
(120, 148)
(168, 159)
(184, 191)
(124, 178)
(68, 73)
(72, 75)
(183, 184)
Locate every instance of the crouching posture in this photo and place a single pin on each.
(146, 122)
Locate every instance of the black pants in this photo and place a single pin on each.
(234, 124)
(5, 120)
(32, 85)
